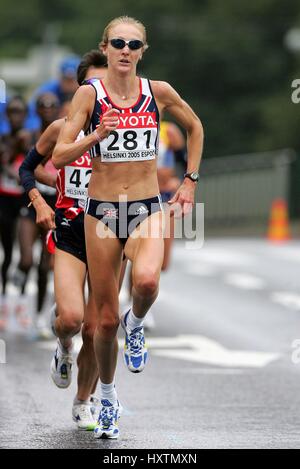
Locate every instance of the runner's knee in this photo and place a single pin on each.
(26, 263)
(108, 322)
(146, 284)
(88, 331)
(70, 320)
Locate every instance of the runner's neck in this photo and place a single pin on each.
(120, 89)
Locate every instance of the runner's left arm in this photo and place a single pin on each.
(170, 101)
(40, 153)
(44, 146)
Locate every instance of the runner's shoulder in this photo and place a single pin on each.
(84, 98)
(56, 126)
(163, 91)
(85, 91)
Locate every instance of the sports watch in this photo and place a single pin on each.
(192, 176)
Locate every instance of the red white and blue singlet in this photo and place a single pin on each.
(137, 135)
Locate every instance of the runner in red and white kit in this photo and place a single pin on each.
(70, 270)
(123, 213)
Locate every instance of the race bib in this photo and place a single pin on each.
(134, 139)
(77, 181)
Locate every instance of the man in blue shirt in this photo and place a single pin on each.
(64, 87)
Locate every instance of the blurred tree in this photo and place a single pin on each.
(227, 59)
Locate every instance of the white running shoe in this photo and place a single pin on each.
(82, 415)
(135, 351)
(61, 367)
(107, 425)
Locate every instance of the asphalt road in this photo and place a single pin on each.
(224, 369)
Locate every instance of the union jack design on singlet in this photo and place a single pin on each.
(137, 135)
(72, 182)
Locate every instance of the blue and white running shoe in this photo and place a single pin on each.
(135, 350)
(107, 426)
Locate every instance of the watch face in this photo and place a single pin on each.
(192, 176)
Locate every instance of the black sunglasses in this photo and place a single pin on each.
(134, 44)
(15, 110)
(47, 105)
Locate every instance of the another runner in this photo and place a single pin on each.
(29, 232)
(13, 147)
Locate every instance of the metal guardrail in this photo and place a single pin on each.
(242, 188)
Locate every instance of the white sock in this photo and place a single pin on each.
(63, 350)
(108, 391)
(133, 322)
(79, 402)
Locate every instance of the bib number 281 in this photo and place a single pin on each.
(129, 140)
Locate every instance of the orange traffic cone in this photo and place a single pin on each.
(279, 230)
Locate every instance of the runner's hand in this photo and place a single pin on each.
(45, 217)
(109, 122)
(183, 201)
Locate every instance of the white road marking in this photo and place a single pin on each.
(245, 281)
(196, 349)
(214, 255)
(287, 253)
(199, 269)
(287, 299)
(204, 350)
(212, 371)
